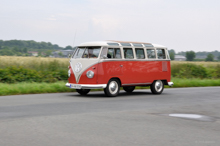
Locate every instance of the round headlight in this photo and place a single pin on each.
(90, 74)
(69, 73)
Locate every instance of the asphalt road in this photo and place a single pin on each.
(140, 118)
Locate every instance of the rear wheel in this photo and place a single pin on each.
(83, 91)
(129, 89)
(112, 88)
(157, 87)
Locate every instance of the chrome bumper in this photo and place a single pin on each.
(170, 84)
(86, 86)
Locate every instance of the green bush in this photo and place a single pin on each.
(15, 74)
(189, 71)
(214, 72)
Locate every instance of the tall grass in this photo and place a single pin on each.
(203, 63)
(37, 63)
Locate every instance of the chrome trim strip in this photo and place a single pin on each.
(136, 84)
(87, 86)
(170, 84)
(112, 60)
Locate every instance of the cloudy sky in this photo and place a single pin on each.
(181, 25)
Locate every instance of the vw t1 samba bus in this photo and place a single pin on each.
(110, 65)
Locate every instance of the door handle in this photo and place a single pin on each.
(121, 65)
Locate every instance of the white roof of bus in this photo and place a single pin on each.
(105, 43)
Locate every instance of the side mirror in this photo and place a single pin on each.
(69, 56)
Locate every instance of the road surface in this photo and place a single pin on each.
(177, 117)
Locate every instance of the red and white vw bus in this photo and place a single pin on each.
(110, 65)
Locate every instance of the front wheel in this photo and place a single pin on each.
(129, 89)
(112, 88)
(157, 87)
(83, 91)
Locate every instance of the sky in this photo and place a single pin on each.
(182, 25)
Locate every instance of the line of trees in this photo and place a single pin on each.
(22, 47)
(191, 55)
(30, 44)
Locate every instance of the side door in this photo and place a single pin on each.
(111, 64)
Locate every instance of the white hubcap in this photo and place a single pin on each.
(158, 86)
(113, 87)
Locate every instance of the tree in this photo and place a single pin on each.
(60, 54)
(19, 54)
(219, 57)
(39, 53)
(210, 57)
(68, 48)
(190, 55)
(172, 54)
(48, 53)
(6, 52)
(25, 50)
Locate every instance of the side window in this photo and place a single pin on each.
(151, 53)
(128, 53)
(161, 54)
(114, 53)
(139, 53)
(94, 52)
(117, 53)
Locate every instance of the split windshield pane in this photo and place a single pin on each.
(79, 53)
(87, 52)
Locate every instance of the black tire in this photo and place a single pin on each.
(129, 89)
(83, 91)
(112, 88)
(157, 87)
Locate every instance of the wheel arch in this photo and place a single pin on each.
(115, 78)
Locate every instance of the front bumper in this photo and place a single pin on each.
(86, 86)
(170, 84)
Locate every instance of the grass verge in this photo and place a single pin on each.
(195, 82)
(34, 88)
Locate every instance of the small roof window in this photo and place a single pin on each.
(137, 45)
(125, 44)
(113, 44)
(148, 45)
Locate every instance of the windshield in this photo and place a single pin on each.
(87, 52)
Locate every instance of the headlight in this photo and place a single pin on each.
(90, 74)
(69, 73)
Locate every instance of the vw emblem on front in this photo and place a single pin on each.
(78, 67)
